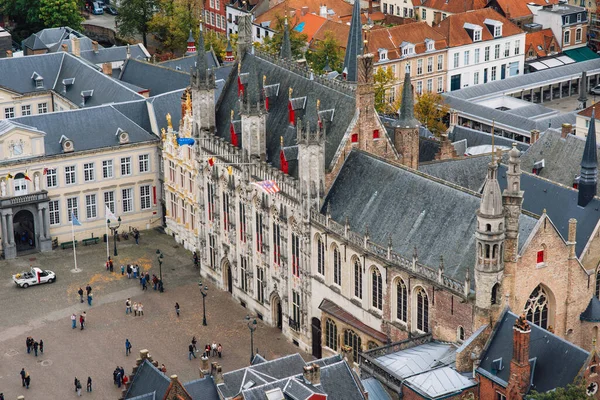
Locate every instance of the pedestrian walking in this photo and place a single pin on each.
(125, 379)
(1, 396)
(88, 289)
(119, 378)
(135, 309)
(122, 270)
(73, 321)
(127, 347)
(195, 259)
(194, 341)
(191, 351)
(80, 292)
(28, 343)
(207, 350)
(162, 368)
(115, 373)
(89, 299)
(78, 388)
(143, 281)
(129, 271)
(27, 380)
(110, 265)
(107, 264)
(128, 306)
(140, 309)
(75, 383)
(214, 349)
(41, 346)
(135, 271)
(23, 374)
(89, 384)
(136, 235)
(177, 309)
(219, 349)
(36, 345)
(154, 281)
(82, 320)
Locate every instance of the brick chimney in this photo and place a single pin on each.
(572, 240)
(9, 54)
(534, 136)
(304, 10)
(75, 47)
(107, 68)
(95, 46)
(307, 373)
(565, 130)
(347, 355)
(447, 150)
(316, 375)
(64, 47)
(520, 370)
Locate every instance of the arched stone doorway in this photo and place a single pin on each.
(316, 337)
(24, 229)
(227, 276)
(276, 311)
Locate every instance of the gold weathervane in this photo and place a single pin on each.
(169, 123)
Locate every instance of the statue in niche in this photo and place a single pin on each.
(3, 188)
(36, 183)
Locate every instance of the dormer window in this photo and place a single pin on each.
(474, 31)
(383, 54)
(38, 79)
(494, 26)
(408, 49)
(578, 17)
(430, 44)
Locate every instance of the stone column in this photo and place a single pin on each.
(4, 230)
(40, 224)
(11, 229)
(560, 90)
(46, 213)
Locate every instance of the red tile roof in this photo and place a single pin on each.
(339, 30)
(392, 38)
(339, 7)
(541, 41)
(518, 8)
(455, 6)
(453, 26)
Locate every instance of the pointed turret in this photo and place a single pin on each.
(229, 52)
(286, 45)
(191, 45)
(407, 107)
(588, 179)
(491, 200)
(253, 97)
(202, 77)
(354, 47)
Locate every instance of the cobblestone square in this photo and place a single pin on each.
(43, 312)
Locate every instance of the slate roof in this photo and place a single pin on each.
(469, 172)
(562, 157)
(186, 63)
(156, 78)
(428, 148)
(138, 111)
(544, 347)
(115, 54)
(592, 311)
(414, 203)
(168, 103)
(34, 42)
(91, 128)
(375, 389)
(476, 137)
(354, 46)
(202, 389)
(440, 382)
(417, 360)
(277, 118)
(148, 379)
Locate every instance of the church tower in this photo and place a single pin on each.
(203, 91)
(489, 238)
(406, 135)
(254, 117)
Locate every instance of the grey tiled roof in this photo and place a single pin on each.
(91, 128)
(417, 360)
(469, 172)
(34, 42)
(277, 118)
(339, 383)
(475, 137)
(428, 148)
(562, 157)
(115, 54)
(202, 389)
(592, 311)
(375, 389)
(440, 382)
(138, 111)
(545, 347)
(186, 63)
(414, 205)
(154, 77)
(168, 103)
(147, 380)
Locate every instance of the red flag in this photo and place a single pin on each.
(27, 178)
(234, 136)
(283, 162)
(45, 171)
(211, 161)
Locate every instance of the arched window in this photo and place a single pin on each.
(357, 279)
(598, 283)
(377, 295)
(422, 314)
(487, 251)
(20, 184)
(401, 300)
(488, 227)
(320, 256)
(337, 267)
(495, 251)
(331, 338)
(537, 308)
(460, 334)
(495, 298)
(353, 340)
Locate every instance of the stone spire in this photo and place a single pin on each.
(202, 77)
(244, 42)
(354, 47)
(407, 108)
(253, 98)
(588, 177)
(491, 199)
(286, 45)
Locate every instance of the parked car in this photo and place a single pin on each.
(111, 10)
(97, 9)
(35, 276)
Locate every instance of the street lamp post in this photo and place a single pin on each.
(252, 326)
(114, 231)
(159, 257)
(204, 294)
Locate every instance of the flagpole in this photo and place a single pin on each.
(74, 245)
(107, 251)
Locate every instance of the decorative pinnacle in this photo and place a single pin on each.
(390, 240)
(442, 263)
(281, 141)
(290, 91)
(239, 67)
(264, 80)
(232, 115)
(415, 254)
(318, 104)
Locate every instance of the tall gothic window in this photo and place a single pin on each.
(353, 340)
(260, 284)
(357, 279)
(244, 273)
(210, 190)
(243, 226)
(495, 295)
(259, 232)
(422, 310)
(401, 300)
(331, 339)
(337, 266)
(377, 295)
(295, 255)
(226, 211)
(320, 256)
(276, 243)
(536, 307)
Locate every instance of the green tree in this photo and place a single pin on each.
(383, 78)
(56, 13)
(134, 17)
(218, 42)
(272, 44)
(172, 22)
(571, 392)
(430, 110)
(327, 50)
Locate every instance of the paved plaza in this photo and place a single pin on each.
(43, 312)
